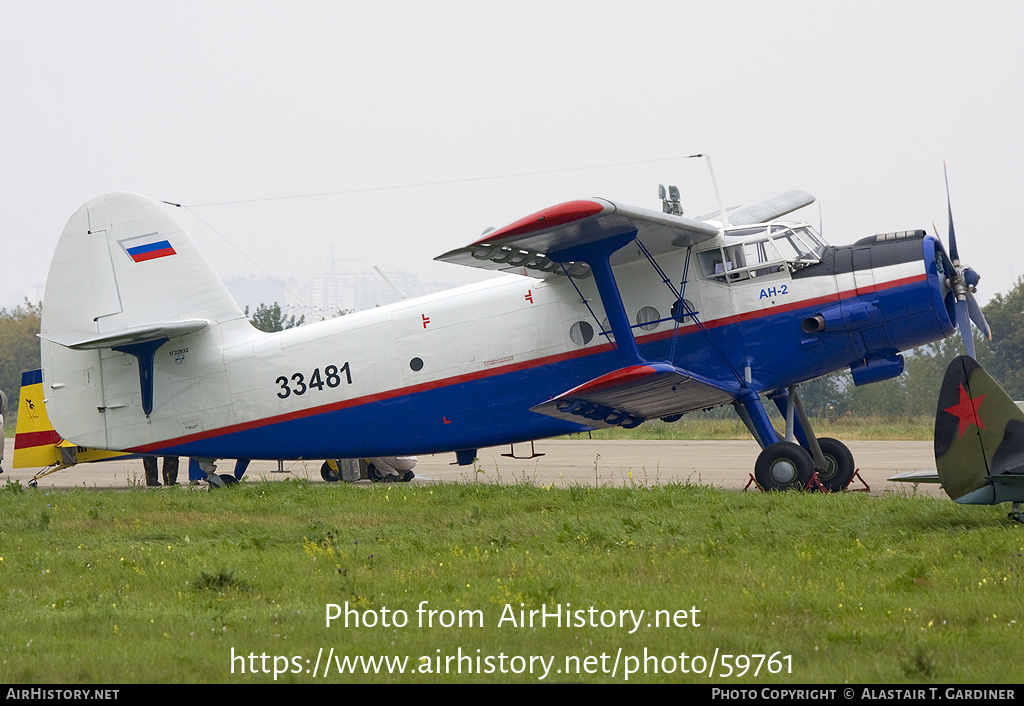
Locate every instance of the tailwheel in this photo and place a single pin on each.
(783, 466)
(222, 480)
(373, 474)
(329, 473)
(839, 468)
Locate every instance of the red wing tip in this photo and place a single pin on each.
(548, 218)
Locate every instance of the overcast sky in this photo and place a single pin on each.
(241, 104)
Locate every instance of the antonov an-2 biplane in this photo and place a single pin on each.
(612, 315)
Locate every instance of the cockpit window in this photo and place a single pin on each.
(757, 251)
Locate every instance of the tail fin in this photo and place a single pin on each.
(979, 437)
(36, 443)
(125, 278)
(123, 264)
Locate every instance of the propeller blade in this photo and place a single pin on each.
(952, 234)
(977, 316)
(963, 323)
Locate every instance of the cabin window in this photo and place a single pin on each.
(759, 251)
(581, 333)
(682, 310)
(647, 318)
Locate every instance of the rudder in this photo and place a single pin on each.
(979, 435)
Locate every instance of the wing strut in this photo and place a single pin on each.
(682, 309)
(597, 255)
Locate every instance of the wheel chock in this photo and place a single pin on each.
(865, 489)
(815, 484)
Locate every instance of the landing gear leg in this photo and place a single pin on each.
(782, 465)
(832, 459)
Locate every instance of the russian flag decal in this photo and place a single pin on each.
(147, 247)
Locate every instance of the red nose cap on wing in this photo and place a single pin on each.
(623, 376)
(548, 218)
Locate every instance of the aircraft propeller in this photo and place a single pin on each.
(963, 282)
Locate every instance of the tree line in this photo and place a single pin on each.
(912, 394)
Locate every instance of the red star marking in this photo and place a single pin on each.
(967, 410)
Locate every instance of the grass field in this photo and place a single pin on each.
(183, 585)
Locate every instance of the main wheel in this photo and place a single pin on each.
(839, 466)
(783, 466)
(331, 475)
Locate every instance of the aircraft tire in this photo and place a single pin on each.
(840, 468)
(783, 466)
(329, 474)
(227, 479)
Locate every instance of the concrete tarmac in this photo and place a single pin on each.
(722, 464)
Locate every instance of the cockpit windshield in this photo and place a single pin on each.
(756, 251)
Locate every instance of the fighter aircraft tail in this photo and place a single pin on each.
(979, 438)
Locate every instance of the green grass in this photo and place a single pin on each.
(161, 586)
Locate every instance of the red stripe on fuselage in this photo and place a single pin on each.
(817, 301)
(502, 370)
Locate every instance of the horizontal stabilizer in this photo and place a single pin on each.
(528, 242)
(929, 476)
(83, 340)
(769, 208)
(628, 396)
(1013, 479)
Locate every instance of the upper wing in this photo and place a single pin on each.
(527, 242)
(763, 210)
